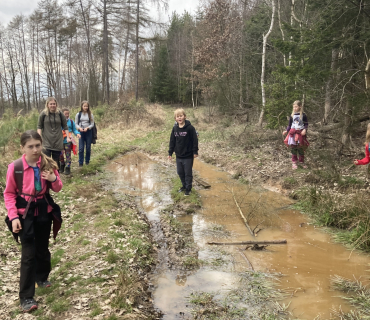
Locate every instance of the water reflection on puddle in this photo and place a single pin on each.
(308, 260)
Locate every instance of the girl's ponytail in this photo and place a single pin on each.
(47, 163)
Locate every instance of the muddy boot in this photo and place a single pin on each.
(68, 170)
(62, 166)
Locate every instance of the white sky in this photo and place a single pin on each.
(10, 8)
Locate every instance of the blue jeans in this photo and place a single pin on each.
(86, 138)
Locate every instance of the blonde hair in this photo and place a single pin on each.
(299, 104)
(46, 110)
(179, 111)
(367, 140)
(47, 163)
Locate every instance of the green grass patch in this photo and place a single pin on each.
(177, 196)
(112, 257)
(55, 258)
(349, 218)
(60, 305)
(191, 262)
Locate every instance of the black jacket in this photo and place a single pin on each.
(184, 141)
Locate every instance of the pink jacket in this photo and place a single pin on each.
(365, 160)
(11, 191)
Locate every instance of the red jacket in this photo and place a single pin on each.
(11, 191)
(365, 160)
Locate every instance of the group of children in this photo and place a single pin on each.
(56, 128)
(31, 210)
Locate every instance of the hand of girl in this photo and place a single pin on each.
(285, 132)
(169, 158)
(16, 225)
(303, 133)
(355, 161)
(78, 136)
(47, 175)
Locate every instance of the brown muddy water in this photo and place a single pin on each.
(306, 262)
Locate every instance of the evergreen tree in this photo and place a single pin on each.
(163, 85)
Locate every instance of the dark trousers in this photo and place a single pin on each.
(35, 260)
(185, 172)
(53, 154)
(86, 139)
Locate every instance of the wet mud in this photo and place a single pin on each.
(306, 262)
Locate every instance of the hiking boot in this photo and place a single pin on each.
(187, 193)
(62, 166)
(68, 170)
(80, 164)
(182, 189)
(294, 166)
(28, 304)
(43, 284)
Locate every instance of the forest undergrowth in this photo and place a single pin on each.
(331, 191)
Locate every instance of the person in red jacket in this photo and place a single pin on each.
(30, 213)
(365, 160)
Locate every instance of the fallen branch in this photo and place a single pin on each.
(246, 259)
(241, 213)
(248, 242)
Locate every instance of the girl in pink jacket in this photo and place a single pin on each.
(30, 213)
(365, 160)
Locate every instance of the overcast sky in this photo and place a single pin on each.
(10, 8)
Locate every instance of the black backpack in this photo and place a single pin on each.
(94, 129)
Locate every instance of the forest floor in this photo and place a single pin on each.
(105, 251)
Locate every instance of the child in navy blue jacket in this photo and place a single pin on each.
(184, 142)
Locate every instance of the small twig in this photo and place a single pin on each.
(242, 215)
(248, 242)
(246, 259)
(257, 227)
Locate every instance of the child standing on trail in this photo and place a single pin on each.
(51, 119)
(30, 213)
(184, 142)
(365, 160)
(65, 166)
(84, 123)
(296, 137)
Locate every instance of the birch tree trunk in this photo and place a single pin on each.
(265, 37)
(329, 84)
(137, 50)
(367, 75)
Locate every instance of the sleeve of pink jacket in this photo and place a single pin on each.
(10, 193)
(57, 185)
(365, 160)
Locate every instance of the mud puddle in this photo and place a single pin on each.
(307, 261)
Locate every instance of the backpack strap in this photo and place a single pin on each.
(79, 118)
(44, 115)
(18, 174)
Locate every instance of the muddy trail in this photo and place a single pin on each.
(304, 266)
